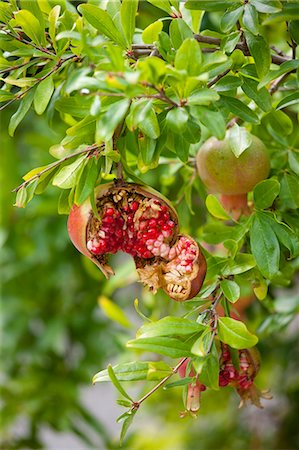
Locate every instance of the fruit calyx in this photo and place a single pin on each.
(139, 221)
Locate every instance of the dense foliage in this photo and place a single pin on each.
(137, 100)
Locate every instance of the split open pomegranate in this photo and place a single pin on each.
(138, 220)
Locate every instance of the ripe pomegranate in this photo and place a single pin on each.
(224, 173)
(140, 221)
(243, 379)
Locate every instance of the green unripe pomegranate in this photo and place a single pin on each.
(222, 172)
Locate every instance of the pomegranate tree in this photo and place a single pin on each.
(232, 177)
(139, 221)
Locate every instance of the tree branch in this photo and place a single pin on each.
(89, 149)
(24, 41)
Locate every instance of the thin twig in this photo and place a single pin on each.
(88, 149)
(221, 75)
(24, 41)
(163, 381)
(57, 66)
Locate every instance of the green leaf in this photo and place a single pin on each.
(250, 19)
(208, 5)
(235, 333)
(128, 11)
(21, 198)
(284, 234)
(182, 147)
(174, 348)
(203, 97)
(107, 123)
(285, 67)
(43, 95)
(229, 19)
(279, 120)
(176, 120)
(270, 6)
(260, 51)
(228, 83)
(151, 33)
(213, 120)
(289, 100)
(170, 326)
(238, 108)
(230, 290)
(178, 383)
(101, 20)
(242, 263)
(30, 25)
(215, 208)
(66, 177)
(179, 31)
(209, 374)
(136, 371)
(289, 192)
(21, 112)
(188, 57)
(116, 383)
(87, 181)
(162, 4)
(149, 124)
(265, 192)
(126, 424)
(262, 97)
(63, 202)
(264, 246)
(239, 139)
(114, 312)
(53, 22)
(192, 133)
(293, 159)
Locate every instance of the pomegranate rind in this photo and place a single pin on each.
(221, 171)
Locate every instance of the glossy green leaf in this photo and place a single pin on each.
(21, 112)
(215, 208)
(63, 202)
(228, 83)
(260, 51)
(208, 5)
(87, 181)
(21, 198)
(289, 100)
(229, 18)
(265, 192)
(136, 371)
(264, 246)
(53, 22)
(162, 4)
(67, 176)
(116, 382)
(128, 419)
(238, 108)
(188, 57)
(108, 122)
(250, 19)
(101, 20)
(261, 97)
(172, 347)
(30, 25)
(270, 6)
(240, 264)
(213, 120)
(289, 193)
(151, 33)
(203, 97)
(239, 139)
(293, 159)
(176, 120)
(209, 374)
(284, 234)
(128, 11)
(280, 120)
(230, 290)
(192, 133)
(235, 333)
(43, 94)
(179, 31)
(170, 326)
(285, 67)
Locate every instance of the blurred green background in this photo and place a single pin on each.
(55, 337)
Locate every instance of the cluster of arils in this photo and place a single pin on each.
(139, 221)
(242, 377)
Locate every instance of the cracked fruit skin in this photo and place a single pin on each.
(221, 171)
(139, 221)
